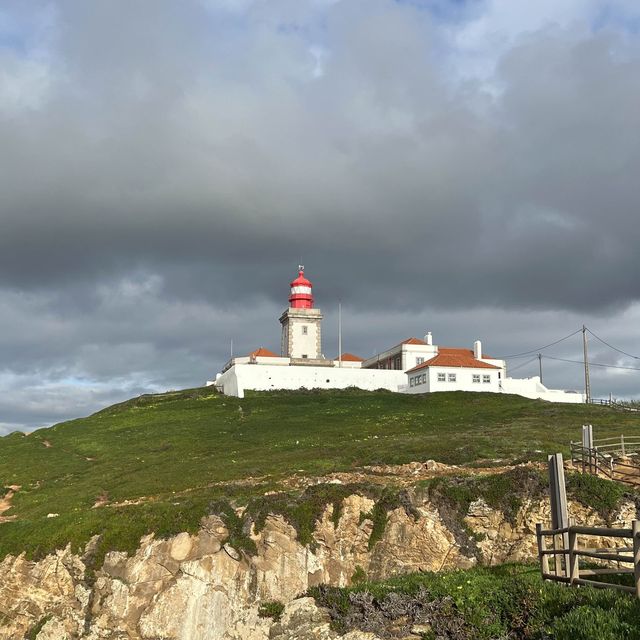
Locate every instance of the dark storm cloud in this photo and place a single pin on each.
(165, 166)
(164, 152)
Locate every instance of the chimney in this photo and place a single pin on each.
(477, 350)
(428, 338)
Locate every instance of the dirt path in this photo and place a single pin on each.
(398, 475)
(402, 474)
(5, 502)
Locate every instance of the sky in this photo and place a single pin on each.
(470, 168)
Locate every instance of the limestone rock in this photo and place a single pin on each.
(196, 587)
(410, 545)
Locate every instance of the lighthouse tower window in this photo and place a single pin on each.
(305, 329)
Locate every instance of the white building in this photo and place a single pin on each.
(412, 366)
(456, 370)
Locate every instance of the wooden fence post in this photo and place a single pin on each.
(587, 443)
(559, 512)
(635, 527)
(574, 559)
(542, 546)
(622, 444)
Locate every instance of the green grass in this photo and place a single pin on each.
(602, 496)
(181, 451)
(481, 604)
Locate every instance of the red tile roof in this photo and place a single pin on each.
(349, 357)
(457, 350)
(413, 341)
(263, 353)
(454, 358)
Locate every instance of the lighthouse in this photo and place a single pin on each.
(301, 324)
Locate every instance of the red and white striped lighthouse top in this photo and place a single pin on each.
(301, 296)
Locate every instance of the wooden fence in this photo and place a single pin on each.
(612, 458)
(565, 558)
(560, 560)
(614, 404)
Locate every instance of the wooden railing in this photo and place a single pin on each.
(565, 555)
(609, 457)
(615, 404)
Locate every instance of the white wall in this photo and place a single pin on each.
(301, 343)
(463, 382)
(408, 353)
(411, 353)
(264, 377)
(348, 364)
(243, 377)
(533, 388)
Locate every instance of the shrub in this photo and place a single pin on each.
(272, 609)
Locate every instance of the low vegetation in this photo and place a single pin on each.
(509, 601)
(158, 463)
(601, 495)
(271, 609)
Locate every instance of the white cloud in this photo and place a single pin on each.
(25, 84)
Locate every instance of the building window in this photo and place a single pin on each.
(442, 377)
(304, 355)
(452, 377)
(424, 378)
(305, 330)
(486, 379)
(419, 360)
(412, 382)
(476, 377)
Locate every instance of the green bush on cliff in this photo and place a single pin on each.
(603, 496)
(482, 604)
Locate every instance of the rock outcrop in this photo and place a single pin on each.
(196, 587)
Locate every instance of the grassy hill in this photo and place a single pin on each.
(159, 461)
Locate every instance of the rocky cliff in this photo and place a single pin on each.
(199, 587)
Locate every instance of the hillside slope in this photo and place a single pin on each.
(156, 463)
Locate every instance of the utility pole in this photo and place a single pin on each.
(540, 366)
(339, 334)
(587, 382)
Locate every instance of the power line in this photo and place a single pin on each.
(630, 355)
(523, 364)
(593, 364)
(546, 346)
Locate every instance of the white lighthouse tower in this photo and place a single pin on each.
(301, 324)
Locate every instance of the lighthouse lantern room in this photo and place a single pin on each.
(301, 324)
